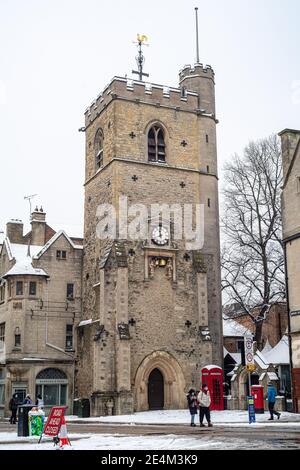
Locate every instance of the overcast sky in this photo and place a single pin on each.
(57, 55)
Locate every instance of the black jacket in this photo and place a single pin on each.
(13, 404)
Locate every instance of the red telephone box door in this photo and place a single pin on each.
(213, 377)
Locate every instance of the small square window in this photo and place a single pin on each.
(32, 288)
(19, 288)
(61, 254)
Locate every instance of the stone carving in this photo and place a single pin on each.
(205, 333)
(99, 332)
(123, 329)
(169, 269)
(151, 268)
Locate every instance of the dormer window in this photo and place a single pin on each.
(156, 145)
(98, 146)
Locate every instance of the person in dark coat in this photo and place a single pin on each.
(192, 404)
(272, 401)
(13, 406)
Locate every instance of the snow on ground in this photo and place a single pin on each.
(169, 442)
(121, 442)
(219, 418)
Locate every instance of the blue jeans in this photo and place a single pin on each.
(193, 419)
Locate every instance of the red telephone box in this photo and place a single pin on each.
(212, 376)
(257, 391)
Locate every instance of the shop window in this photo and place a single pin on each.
(52, 385)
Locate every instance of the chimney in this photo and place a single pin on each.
(289, 140)
(14, 231)
(38, 227)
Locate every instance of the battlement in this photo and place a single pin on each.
(198, 70)
(143, 92)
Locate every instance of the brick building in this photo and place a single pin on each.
(151, 307)
(40, 302)
(275, 326)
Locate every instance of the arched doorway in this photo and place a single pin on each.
(174, 397)
(156, 390)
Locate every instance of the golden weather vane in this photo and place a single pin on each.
(140, 59)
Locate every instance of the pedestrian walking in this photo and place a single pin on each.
(39, 402)
(13, 406)
(193, 405)
(204, 401)
(27, 400)
(272, 401)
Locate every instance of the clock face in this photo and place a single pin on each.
(160, 235)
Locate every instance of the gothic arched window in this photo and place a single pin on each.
(98, 146)
(156, 144)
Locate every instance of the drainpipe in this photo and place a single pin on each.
(46, 332)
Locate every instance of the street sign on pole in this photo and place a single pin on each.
(249, 355)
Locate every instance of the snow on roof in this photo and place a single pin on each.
(44, 248)
(272, 376)
(280, 354)
(33, 359)
(85, 322)
(23, 262)
(267, 348)
(237, 357)
(233, 328)
(211, 366)
(261, 360)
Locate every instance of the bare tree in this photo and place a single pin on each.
(252, 255)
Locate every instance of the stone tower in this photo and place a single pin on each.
(151, 306)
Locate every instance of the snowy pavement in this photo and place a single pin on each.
(219, 418)
(168, 430)
(168, 442)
